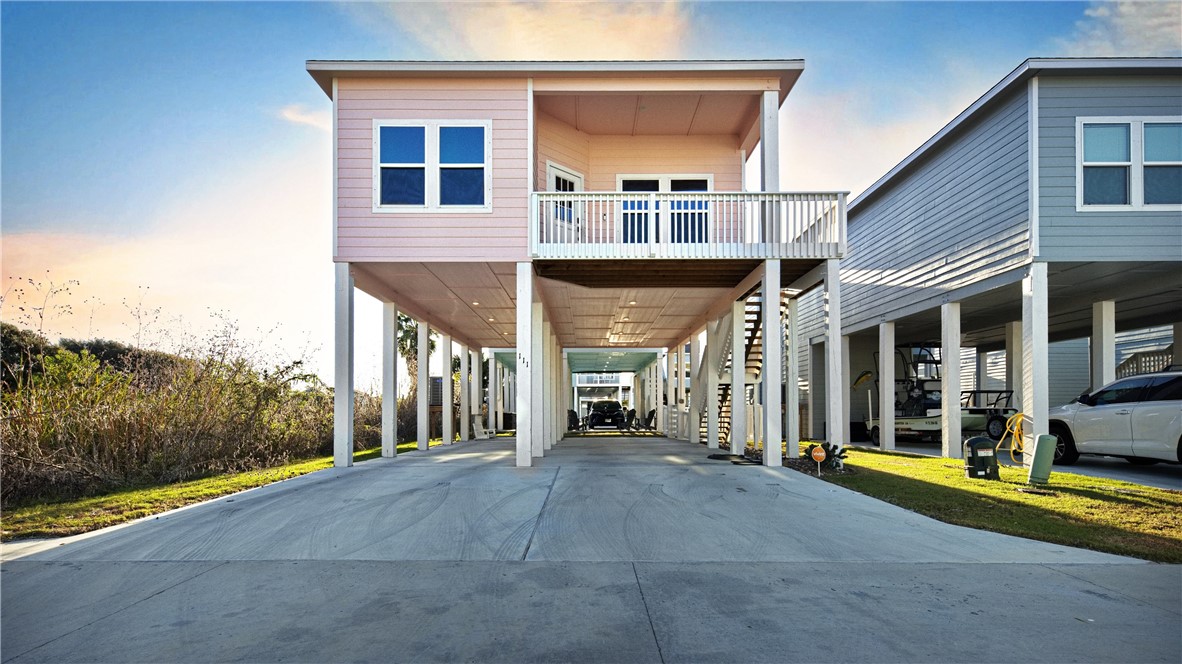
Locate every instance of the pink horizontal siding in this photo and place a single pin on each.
(660, 155)
(363, 235)
(561, 144)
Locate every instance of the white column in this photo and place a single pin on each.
(886, 386)
(845, 388)
(1014, 361)
(792, 380)
(680, 403)
(567, 392)
(494, 393)
(476, 396)
(710, 372)
(1103, 343)
(423, 401)
(773, 364)
(342, 411)
(837, 392)
(769, 141)
(389, 379)
(525, 344)
(666, 422)
(547, 386)
(1035, 356)
(694, 421)
(447, 381)
(982, 377)
(738, 377)
(465, 394)
(950, 425)
(536, 378)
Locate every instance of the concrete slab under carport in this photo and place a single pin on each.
(611, 572)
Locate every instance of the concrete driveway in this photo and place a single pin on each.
(607, 550)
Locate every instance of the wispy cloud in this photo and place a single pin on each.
(1127, 28)
(297, 114)
(511, 30)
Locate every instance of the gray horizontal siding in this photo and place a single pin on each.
(1067, 235)
(959, 218)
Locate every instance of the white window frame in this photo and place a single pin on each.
(432, 167)
(1136, 164)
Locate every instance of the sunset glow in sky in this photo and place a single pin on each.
(179, 154)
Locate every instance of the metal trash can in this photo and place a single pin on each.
(980, 458)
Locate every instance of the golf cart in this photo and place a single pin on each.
(917, 399)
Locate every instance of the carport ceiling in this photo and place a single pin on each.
(594, 361)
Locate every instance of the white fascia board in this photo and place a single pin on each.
(1026, 70)
(323, 71)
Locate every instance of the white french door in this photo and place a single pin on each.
(687, 219)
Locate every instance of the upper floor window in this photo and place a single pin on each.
(432, 166)
(1128, 163)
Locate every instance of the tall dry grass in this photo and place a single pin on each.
(72, 425)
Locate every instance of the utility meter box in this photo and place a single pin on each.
(980, 459)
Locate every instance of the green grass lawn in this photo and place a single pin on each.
(1087, 512)
(57, 519)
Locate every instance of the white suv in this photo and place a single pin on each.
(1138, 418)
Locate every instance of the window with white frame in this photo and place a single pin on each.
(432, 166)
(1128, 163)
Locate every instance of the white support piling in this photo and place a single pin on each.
(773, 366)
(525, 343)
(950, 419)
(389, 379)
(342, 436)
(886, 385)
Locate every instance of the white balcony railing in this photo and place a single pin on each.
(687, 225)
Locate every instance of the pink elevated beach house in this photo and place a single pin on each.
(573, 218)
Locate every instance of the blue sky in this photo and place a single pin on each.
(138, 137)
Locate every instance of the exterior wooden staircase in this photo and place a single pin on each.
(752, 365)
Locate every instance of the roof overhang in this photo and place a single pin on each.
(324, 71)
(1027, 70)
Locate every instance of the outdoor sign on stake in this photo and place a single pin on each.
(818, 456)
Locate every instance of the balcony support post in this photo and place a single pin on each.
(711, 369)
(1104, 343)
(837, 390)
(773, 362)
(342, 437)
(525, 312)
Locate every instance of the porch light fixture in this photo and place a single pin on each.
(632, 303)
(476, 304)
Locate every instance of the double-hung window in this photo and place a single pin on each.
(439, 166)
(1128, 164)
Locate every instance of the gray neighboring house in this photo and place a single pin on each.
(1048, 211)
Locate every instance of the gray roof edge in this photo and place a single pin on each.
(1028, 69)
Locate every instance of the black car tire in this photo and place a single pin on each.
(875, 436)
(1065, 452)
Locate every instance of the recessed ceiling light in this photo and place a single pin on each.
(491, 320)
(476, 304)
(632, 302)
